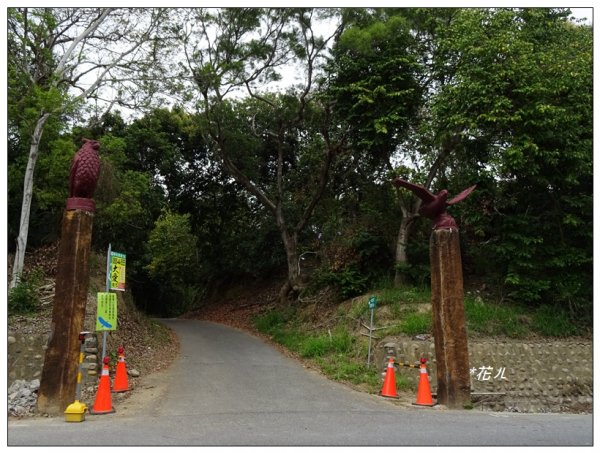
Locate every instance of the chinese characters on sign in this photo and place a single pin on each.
(106, 318)
(117, 271)
(485, 373)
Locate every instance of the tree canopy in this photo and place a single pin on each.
(241, 177)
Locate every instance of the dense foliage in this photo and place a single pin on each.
(218, 188)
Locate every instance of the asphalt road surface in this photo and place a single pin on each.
(228, 388)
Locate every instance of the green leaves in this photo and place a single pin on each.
(172, 248)
(373, 81)
(514, 90)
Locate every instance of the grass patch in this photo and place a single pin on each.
(269, 322)
(290, 338)
(340, 342)
(493, 319)
(341, 368)
(403, 295)
(416, 323)
(337, 352)
(358, 308)
(314, 346)
(341, 352)
(277, 325)
(553, 322)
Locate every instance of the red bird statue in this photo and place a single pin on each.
(434, 205)
(83, 180)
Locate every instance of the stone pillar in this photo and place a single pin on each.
(449, 330)
(59, 374)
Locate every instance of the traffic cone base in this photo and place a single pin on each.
(95, 412)
(424, 390)
(103, 403)
(121, 383)
(389, 383)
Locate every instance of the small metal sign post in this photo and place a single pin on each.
(372, 305)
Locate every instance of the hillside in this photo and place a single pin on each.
(149, 346)
(329, 336)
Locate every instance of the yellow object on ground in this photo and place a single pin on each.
(75, 412)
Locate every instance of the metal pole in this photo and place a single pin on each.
(300, 258)
(79, 377)
(370, 337)
(107, 290)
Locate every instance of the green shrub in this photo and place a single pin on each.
(418, 274)
(349, 282)
(23, 298)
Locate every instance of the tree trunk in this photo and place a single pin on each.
(27, 197)
(400, 277)
(290, 242)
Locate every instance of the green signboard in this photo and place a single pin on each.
(372, 302)
(106, 319)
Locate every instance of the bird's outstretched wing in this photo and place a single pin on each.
(418, 190)
(461, 196)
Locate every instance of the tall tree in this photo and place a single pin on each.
(495, 83)
(382, 79)
(242, 50)
(524, 90)
(58, 58)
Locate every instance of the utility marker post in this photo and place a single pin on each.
(372, 305)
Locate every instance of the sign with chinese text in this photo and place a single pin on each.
(117, 271)
(106, 318)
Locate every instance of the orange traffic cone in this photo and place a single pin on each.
(424, 391)
(389, 383)
(103, 403)
(121, 383)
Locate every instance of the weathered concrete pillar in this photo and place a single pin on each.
(59, 375)
(449, 330)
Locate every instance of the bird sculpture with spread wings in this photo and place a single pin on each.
(434, 205)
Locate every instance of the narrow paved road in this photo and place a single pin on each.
(228, 388)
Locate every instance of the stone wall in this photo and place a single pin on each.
(545, 376)
(26, 354)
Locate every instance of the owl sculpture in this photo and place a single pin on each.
(83, 179)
